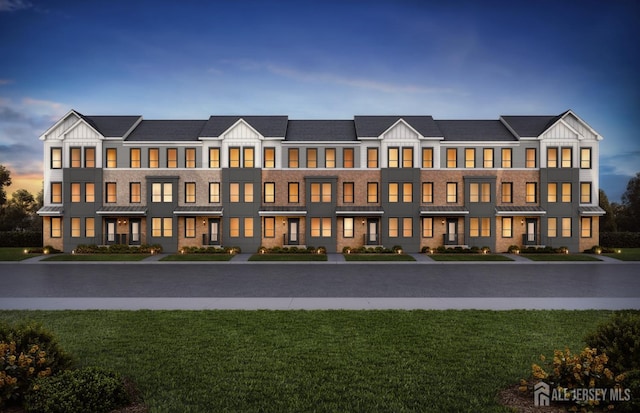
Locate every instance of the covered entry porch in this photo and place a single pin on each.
(125, 225)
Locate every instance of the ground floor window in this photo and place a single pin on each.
(269, 227)
(585, 227)
(507, 227)
(479, 227)
(190, 227)
(321, 227)
(427, 227)
(234, 227)
(56, 227)
(248, 227)
(75, 227)
(89, 227)
(552, 227)
(566, 227)
(162, 227)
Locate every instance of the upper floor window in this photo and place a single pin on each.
(469, 158)
(134, 158)
(372, 192)
(312, 157)
(393, 192)
(234, 192)
(89, 192)
(56, 158)
(154, 158)
(294, 192)
(293, 158)
(552, 192)
(248, 154)
(90, 157)
(567, 154)
(452, 192)
(189, 192)
(269, 158)
(75, 192)
(585, 158)
(507, 192)
(190, 157)
(112, 157)
(234, 157)
(530, 155)
(531, 192)
(214, 157)
(407, 192)
(487, 157)
(427, 192)
(566, 192)
(507, 157)
(76, 158)
(330, 158)
(161, 192)
(407, 157)
(585, 192)
(89, 227)
(372, 157)
(348, 158)
(172, 157)
(135, 196)
(452, 158)
(269, 192)
(111, 192)
(248, 192)
(427, 157)
(214, 192)
(552, 157)
(347, 192)
(393, 157)
(321, 192)
(479, 192)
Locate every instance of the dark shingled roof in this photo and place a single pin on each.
(530, 126)
(474, 130)
(321, 130)
(167, 130)
(374, 126)
(267, 126)
(111, 126)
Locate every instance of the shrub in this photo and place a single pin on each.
(619, 337)
(27, 352)
(78, 391)
(631, 381)
(620, 239)
(346, 250)
(20, 239)
(48, 249)
(513, 249)
(321, 250)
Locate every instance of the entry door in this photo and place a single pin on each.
(214, 231)
(294, 225)
(372, 231)
(452, 231)
(134, 232)
(111, 231)
(531, 230)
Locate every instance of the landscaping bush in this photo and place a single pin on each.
(203, 250)
(27, 352)
(619, 338)
(513, 249)
(78, 391)
(631, 381)
(620, 239)
(20, 239)
(117, 249)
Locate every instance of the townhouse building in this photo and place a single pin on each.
(252, 181)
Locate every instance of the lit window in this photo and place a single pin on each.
(566, 157)
(427, 157)
(269, 192)
(407, 157)
(75, 227)
(507, 157)
(154, 158)
(56, 192)
(452, 192)
(89, 227)
(134, 193)
(293, 158)
(530, 161)
(312, 158)
(394, 157)
(507, 192)
(531, 194)
(585, 192)
(585, 158)
(427, 227)
(156, 227)
(214, 157)
(161, 192)
(407, 192)
(111, 158)
(248, 192)
(552, 227)
(566, 227)
(294, 192)
(507, 227)
(347, 158)
(552, 192)
(214, 192)
(326, 227)
(269, 227)
(347, 192)
(585, 227)
(393, 227)
(407, 227)
(189, 227)
(56, 227)
(190, 158)
(326, 192)
(427, 192)
(487, 155)
(248, 227)
(372, 192)
(75, 192)
(474, 227)
(320, 227)
(167, 189)
(452, 158)
(330, 158)
(89, 157)
(234, 192)
(347, 227)
(566, 192)
(372, 157)
(249, 155)
(485, 228)
(76, 161)
(111, 192)
(321, 192)
(552, 157)
(167, 227)
(56, 158)
(172, 158)
(474, 192)
(234, 157)
(469, 158)
(269, 157)
(393, 192)
(134, 158)
(89, 192)
(190, 192)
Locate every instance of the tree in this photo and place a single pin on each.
(19, 213)
(631, 203)
(5, 180)
(608, 221)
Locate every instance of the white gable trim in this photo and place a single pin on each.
(585, 124)
(419, 136)
(82, 121)
(59, 122)
(245, 123)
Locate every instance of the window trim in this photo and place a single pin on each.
(469, 157)
(527, 161)
(268, 161)
(588, 149)
(452, 158)
(351, 232)
(73, 162)
(214, 157)
(55, 231)
(453, 196)
(506, 162)
(373, 150)
(60, 195)
(588, 195)
(87, 193)
(248, 157)
(377, 192)
(131, 185)
(269, 198)
(150, 159)
(503, 192)
(427, 162)
(114, 161)
(345, 185)
(216, 192)
(76, 197)
(293, 162)
(87, 150)
(427, 195)
(312, 158)
(535, 193)
(108, 185)
(486, 158)
(131, 158)
(188, 221)
(235, 163)
(328, 159)
(56, 160)
(507, 232)
(427, 229)
(188, 162)
(297, 195)
(186, 192)
(351, 158)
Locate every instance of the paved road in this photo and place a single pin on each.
(77, 285)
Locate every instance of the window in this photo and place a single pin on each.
(427, 227)
(110, 189)
(321, 192)
(427, 157)
(269, 157)
(293, 157)
(249, 161)
(75, 192)
(161, 192)
(320, 227)
(347, 158)
(134, 158)
(347, 192)
(89, 227)
(172, 157)
(507, 227)
(507, 156)
(407, 227)
(234, 157)
(214, 192)
(427, 192)
(372, 192)
(190, 158)
(585, 227)
(56, 192)
(585, 158)
(507, 192)
(452, 192)
(330, 158)
(347, 227)
(372, 157)
(162, 227)
(189, 227)
(407, 192)
(479, 192)
(214, 157)
(135, 196)
(90, 157)
(154, 158)
(530, 158)
(452, 158)
(111, 158)
(407, 157)
(76, 160)
(294, 192)
(552, 192)
(469, 158)
(487, 157)
(531, 194)
(189, 192)
(248, 192)
(393, 227)
(393, 192)
(552, 157)
(56, 158)
(566, 192)
(269, 227)
(566, 227)
(89, 192)
(248, 227)
(566, 157)
(56, 227)
(585, 192)
(552, 227)
(234, 227)
(312, 158)
(393, 157)
(75, 227)
(269, 192)
(234, 192)
(479, 227)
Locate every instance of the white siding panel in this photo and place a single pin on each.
(82, 132)
(580, 127)
(401, 132)
(241, 131)
(560, 131)
(63, 127)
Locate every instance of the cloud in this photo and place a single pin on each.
(14, 5)
(627, 164)
(5, 81)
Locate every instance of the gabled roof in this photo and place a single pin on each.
(530, 126)
(111, 126)
(167, 130)
(267, 126)
(374, 126)
(474, 130)
(321, 130)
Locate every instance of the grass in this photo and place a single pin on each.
(198, 257)
(324, 361)
(97, 257)
(469, 257)
(288, 257)
(627, 254)
(560, 257)
(378, 257)
(14, 254)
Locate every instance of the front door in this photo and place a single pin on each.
(531, 231)
(134, 232)
(372, 231)
(111, 231)
(214, 231)
(294, 229)
(451, 237)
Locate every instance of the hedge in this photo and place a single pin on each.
(620, 239)
(20, 239)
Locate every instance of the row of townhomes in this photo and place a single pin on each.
(252, 181)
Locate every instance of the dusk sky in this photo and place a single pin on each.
(320, 60)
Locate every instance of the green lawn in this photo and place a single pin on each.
(627, 254)
(14, 254)
(288, 257)
(469, 257)
(97, 257)
(324, 361)
(560, 257)
(198, 257)
(378, 257)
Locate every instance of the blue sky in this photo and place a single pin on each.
(320, 60)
